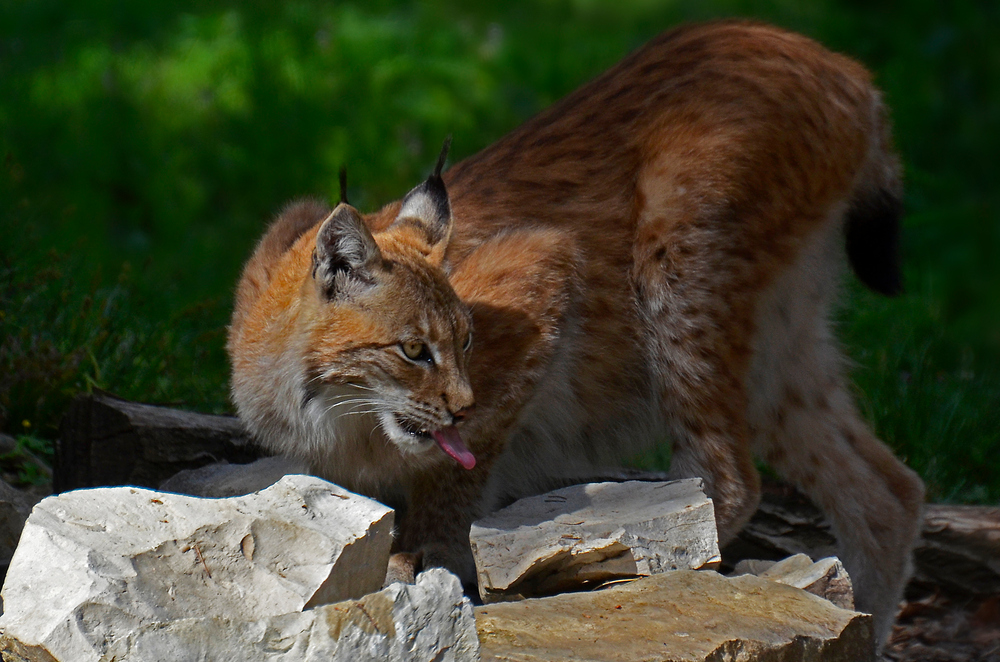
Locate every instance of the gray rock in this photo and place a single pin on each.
(826, 578)
(588, 534)
(681, 616)
(15, 506)
(221, 479)
(8, 444)
(94, 565)
(752, 567)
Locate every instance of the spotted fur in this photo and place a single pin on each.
(655, 256)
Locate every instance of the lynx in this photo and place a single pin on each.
(654, 257)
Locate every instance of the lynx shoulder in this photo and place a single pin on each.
(653, 257)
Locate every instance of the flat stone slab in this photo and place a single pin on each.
(682, 616)
(94, 565)
(583, 535)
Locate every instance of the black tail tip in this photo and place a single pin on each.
(873, 238)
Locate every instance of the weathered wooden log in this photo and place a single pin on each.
(959, 548)
(106, 441)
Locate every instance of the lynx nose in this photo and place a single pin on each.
(458, 399)
(462, 413)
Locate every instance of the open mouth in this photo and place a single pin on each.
(414, 429)
(448, 439)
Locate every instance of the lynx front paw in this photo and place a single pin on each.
(403, 567)
(456, 558)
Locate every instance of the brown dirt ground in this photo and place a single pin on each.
(934, 626)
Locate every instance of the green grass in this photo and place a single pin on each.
(143, 146)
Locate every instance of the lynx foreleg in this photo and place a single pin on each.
(442, 504)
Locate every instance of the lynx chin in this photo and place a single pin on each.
(654, 257)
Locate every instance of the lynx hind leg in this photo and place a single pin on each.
(697, 311)
(710, 441)
(805, 425)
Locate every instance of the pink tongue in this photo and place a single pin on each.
(452, 444)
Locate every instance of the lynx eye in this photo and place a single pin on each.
(416, 350)
(468, 343)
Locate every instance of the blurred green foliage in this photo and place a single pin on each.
(27, 463)
(143, 146)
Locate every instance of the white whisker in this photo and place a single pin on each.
(362, 387)
(373, 406)
(349, 404)
(354, 401)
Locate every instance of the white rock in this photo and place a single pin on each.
(587, 534)
(429, 620)
(94, 565)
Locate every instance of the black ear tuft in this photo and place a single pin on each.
(442, 157)
(345, 252)
(343, 185)
(428, 205)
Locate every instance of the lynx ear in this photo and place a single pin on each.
(428, 208)
(346, 253)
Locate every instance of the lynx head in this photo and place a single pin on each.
(389, 337)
